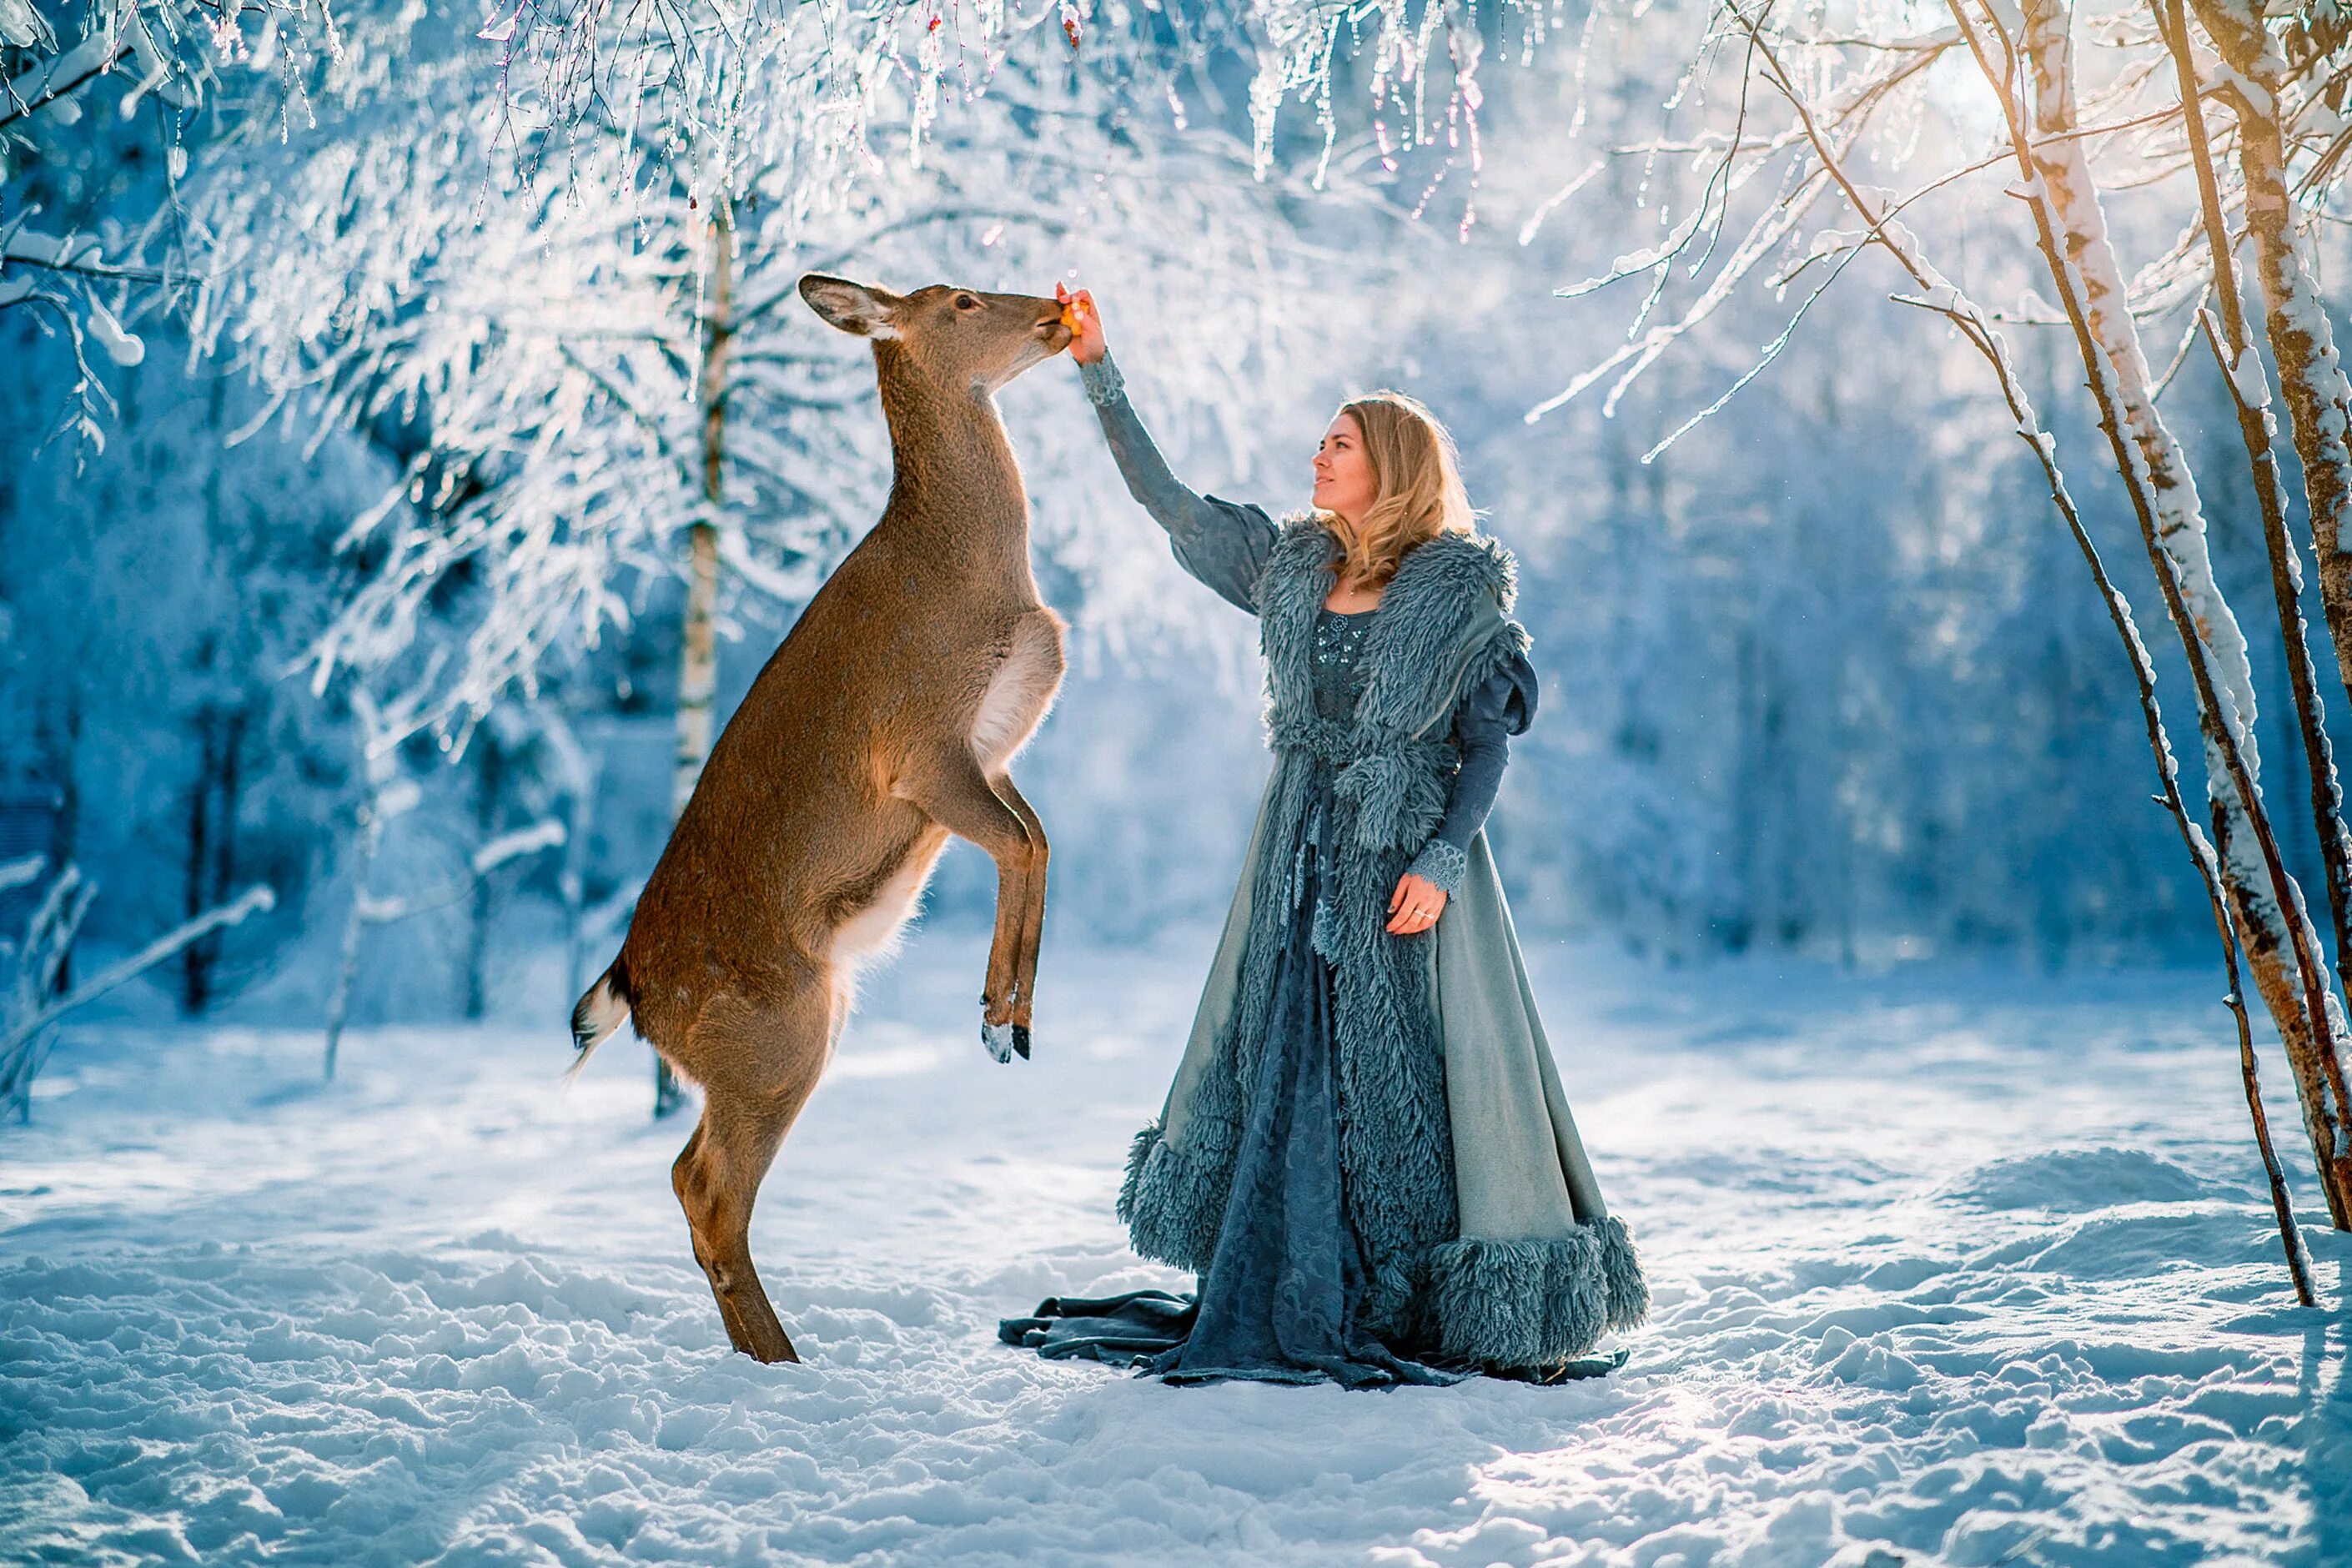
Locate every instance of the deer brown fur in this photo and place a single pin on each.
(884, 722)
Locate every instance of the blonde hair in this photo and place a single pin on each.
(1417, 491)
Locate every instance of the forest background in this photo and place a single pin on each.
(354, 420)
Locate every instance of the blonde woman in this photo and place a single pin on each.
(1366, 1154)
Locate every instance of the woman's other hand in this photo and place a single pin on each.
(1087, 344)
(1415, 905)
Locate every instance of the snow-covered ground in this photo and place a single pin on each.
(1948, 1267)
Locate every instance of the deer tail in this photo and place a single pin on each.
(603, 1009)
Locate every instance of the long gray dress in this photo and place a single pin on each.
(1279, 1301)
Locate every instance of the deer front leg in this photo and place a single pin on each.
(1033, 915)
(953, 791)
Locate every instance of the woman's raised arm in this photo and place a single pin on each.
(1223, 544)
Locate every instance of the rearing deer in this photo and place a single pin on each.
(883, 723)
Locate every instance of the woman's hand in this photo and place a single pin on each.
(1087, 344)
(1415, 905)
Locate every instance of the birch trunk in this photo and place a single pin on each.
(382, 797)
(575, 882)
(2249, 395)
(697, 687)
(2318, 400)
(2274, 934)
(489, 794)
(347, 962)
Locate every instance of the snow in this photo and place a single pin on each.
(2248, 380)
(1955, 1264)
(545, 834)
(121, 346)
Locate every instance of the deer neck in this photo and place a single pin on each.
(955, 487)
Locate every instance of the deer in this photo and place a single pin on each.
(886, 720)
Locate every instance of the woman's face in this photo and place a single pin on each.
(1343, 474)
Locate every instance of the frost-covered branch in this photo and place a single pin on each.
(2317, 396)
(39, 998)
(498, 852)
(257, 900)
(1844, 123)
(61, 74)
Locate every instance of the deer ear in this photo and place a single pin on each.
(852, 307)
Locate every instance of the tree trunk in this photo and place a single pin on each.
(213, 803)
(2275, 936)
(2249, 394)
(369, 824)
(62, 745)
(697, 687)
(2318, 400)
(489, 779)
(573, 883)
(347, 967)
(196, 964)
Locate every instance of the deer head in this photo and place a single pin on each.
(950, 336)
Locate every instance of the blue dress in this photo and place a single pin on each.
(1280, 1300)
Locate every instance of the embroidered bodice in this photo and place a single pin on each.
(1338, 662)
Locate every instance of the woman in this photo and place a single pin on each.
(1366, 1154)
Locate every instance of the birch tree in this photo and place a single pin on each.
(2281, 948)
(2255, 82)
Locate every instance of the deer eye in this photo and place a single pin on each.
(966, 302)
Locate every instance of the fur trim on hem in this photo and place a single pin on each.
(1526, 1303)
(1173, 1201)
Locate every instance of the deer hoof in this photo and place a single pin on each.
(1021, 1041)
(1000, 1040)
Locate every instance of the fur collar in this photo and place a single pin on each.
(1449, 589)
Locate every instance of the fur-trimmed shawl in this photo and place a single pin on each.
(1443, 627)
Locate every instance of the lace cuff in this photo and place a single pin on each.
(1103, 382)
(1442, 865)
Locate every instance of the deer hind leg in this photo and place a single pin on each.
(1033, 914)
(950, 788)
(717, 1175)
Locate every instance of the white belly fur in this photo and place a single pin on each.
(1019, 692)
(872, 933)
(1018, 697)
